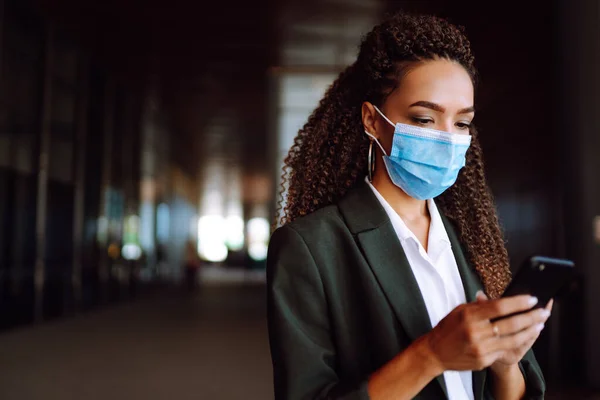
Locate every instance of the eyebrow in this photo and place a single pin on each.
(437, 107)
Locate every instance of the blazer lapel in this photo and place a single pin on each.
(381, 247)
(390, 266)
(472, 284)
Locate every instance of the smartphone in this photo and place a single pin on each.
(542, 277)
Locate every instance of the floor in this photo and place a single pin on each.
(167, 346)
(212, 346)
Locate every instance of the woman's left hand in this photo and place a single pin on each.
(512, 357)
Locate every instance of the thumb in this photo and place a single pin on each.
(480, 296)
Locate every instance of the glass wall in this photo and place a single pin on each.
(90, 205)
(297, 95)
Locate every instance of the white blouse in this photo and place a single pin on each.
(438, 278)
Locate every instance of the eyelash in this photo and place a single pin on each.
(422, 121)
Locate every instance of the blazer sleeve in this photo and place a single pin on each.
(302, 347)
(534, 379)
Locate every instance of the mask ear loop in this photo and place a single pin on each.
(384, 117)
(371, 156)
(374, 139)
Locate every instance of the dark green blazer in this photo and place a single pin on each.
(343, 301)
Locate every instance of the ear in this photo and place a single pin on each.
(369, 115)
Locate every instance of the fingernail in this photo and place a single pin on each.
(539, 327)
(545, 313)
(533, 301)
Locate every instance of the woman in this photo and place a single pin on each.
(375, 289)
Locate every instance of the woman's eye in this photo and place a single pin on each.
(463, 125)
(421, 121)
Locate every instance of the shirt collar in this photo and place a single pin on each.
(437, 231)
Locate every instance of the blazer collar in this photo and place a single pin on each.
(361, 209)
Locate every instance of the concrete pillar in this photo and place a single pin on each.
(42, 184)
(107, 160)
(79, 179)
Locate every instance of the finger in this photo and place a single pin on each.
(519, 322)
(480, 296)
(525, 348)
(550, 305)
(505, 306)
(489, 359)
(518, 340)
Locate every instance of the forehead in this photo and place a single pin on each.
(442, 82)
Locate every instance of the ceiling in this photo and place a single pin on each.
(213, 61)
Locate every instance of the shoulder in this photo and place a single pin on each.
(297, 249)
(317, 223)
(315, 233)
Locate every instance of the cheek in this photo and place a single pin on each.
(386, 142)
(386, 136)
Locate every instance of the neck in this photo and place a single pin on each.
(407, 207)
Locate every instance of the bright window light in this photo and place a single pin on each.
(215, 252)
(131, 229)
(147, 226)
(163, 220)
(212, 232)
(258, 238)
(235, 232)
(102, 230)
(258, 230)
(131, 251)
(258, 251)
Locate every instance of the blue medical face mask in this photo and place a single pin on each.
(424, 162)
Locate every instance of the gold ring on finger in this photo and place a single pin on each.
(496, 330)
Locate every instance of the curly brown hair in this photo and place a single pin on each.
(329, 154)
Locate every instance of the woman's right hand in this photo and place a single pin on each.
(466, 339)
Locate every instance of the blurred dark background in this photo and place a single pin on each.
(140, 149)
